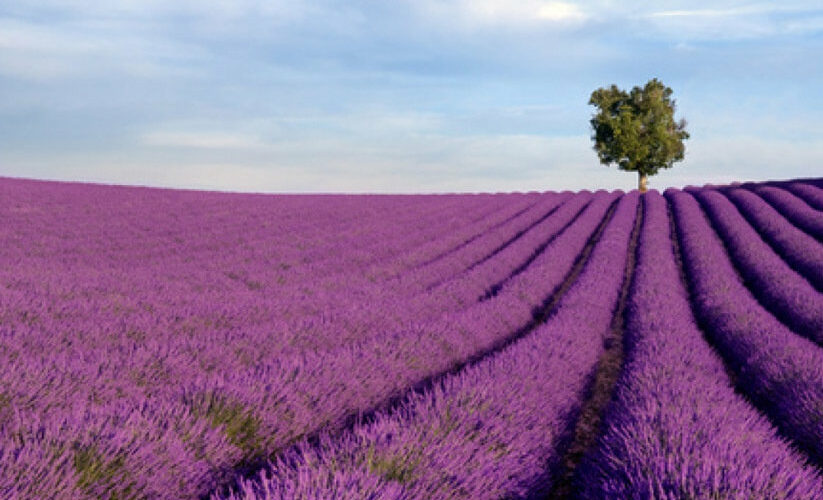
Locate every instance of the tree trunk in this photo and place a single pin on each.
(642, 182)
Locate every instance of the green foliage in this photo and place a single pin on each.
(240, 425)
(395, 467)
(93, 469)
(6, 410)
(636, 130)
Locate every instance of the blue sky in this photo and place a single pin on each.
(397, 96)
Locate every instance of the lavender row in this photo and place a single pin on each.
(376, 252)
(779, 370)
(302, 223)
(491, 430)
(463, 290)
(409, 275)
(174, 228)
(488, 224)
(439, 272)
(782, 290)
(794, 209)
(810, 194)
(414, 286)
(798, 249)
(471, 285)
(676, 428)
(464, 231)
(548, 269)
(199, 400)
(368, 285)
(425, 309)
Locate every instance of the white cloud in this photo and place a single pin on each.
(18, 35)
(202, 140)
(708, 12)
(560, 11)
(807, 25)
(39, 51)
(672, 20)
(410, 164)
(737, 10)
(502, 13)
(226, 9)
(736, 22)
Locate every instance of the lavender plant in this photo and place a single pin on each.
(676, 428)
(801, 251)
(490, 430)
(794, 209)
(781, 372)
(781, 289)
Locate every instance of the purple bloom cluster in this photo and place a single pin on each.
(794, 209)
(798, 249)
(172, 345)
(489, 431)
(779, 370)
(153, 339)
(490, 243)
(813, 195)
(782, 290)
(676, 428)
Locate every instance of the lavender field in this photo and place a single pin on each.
(166, 344)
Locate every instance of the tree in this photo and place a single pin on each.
(636, 129)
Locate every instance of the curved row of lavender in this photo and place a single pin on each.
(157, 342)
(780, 288)
(463, 289)
(813, 195)
(797, 211)
(781, 371)
(489, 431)
(676, 428)
(486, 246)
(797, 247)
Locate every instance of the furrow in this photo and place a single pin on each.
(587, 426)
(495, 288)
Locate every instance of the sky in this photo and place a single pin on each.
(398, 96)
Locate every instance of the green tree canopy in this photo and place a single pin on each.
(636, 130)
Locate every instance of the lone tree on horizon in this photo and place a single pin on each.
(636, 129)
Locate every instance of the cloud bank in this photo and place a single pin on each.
(422, 96)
